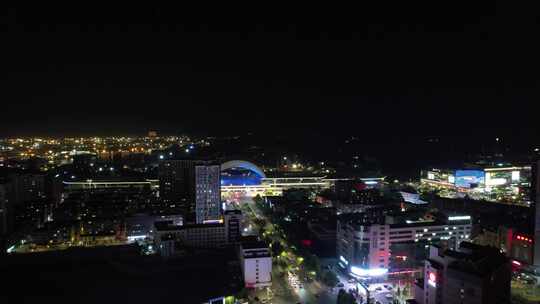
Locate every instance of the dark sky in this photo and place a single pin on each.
(127, 71)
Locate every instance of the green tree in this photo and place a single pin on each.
(312, 263)
(406, 290)
(345, 297)
(329, 278)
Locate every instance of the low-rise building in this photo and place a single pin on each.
(207, 235)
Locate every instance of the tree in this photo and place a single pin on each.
(312, 263)
(329, 278)
(406, 290)
(345, 297)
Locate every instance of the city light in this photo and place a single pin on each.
(432, 279)
(372, 272)
(11, 249)
(459, 218)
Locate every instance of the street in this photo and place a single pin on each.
(287, 286)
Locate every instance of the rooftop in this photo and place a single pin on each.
(254, 245)
(476, 259)
(169, 226)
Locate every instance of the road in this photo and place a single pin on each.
(289, 289)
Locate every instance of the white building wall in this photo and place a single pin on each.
(258, 272)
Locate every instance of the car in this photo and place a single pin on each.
(378, 288)
(340, 285)
(351, 281)
(388, 296)
(385, 285)
(389, 288)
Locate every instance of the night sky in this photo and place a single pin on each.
(127, 71)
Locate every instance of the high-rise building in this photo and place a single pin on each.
(195, 185)
(208, 192)
(472, 274)
(536, 197)
(233, 225)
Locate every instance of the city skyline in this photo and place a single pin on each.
(148, 155)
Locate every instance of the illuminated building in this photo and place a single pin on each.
(207, 193)
(256, 264)
(498, 183)
(370, 242)
(472, 274)
(194, 184)
(139, 226)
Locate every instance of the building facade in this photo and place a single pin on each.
(370, 246)
(256, 264)
(208, 235)
(472, 274)
(194, 184)
(208, 192)
(233, 225)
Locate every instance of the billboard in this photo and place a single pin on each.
(469, 178)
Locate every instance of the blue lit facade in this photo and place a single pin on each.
(240, 177)
(241, 173)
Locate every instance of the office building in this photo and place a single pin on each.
(233, 225)
(208, 235)
(472, 274)
(194, 184)
(208, 192)
(256, 264)
(373, 243)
